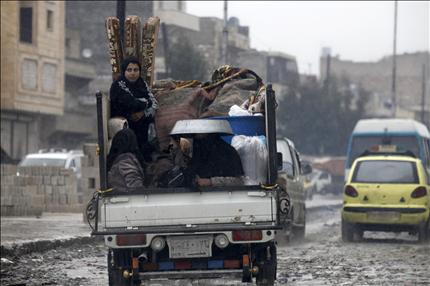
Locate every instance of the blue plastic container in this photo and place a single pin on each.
(244, 125)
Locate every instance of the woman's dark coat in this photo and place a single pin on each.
(127, 98)
(125, 162)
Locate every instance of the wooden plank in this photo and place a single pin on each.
(115, 45)
(149, 45)
(132, 30)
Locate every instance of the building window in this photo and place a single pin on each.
(26, 24)
(49, 78)
(49, 20)
(29, 74)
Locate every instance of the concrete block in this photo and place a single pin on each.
(62, 190)
(84, 161)
(46, 180)
(62, 200)
(61, 181)
(67, 181)
(54, 180)
(6, 201)
(48, 190)
(90, 172)
(38, 200)
(65, 172)
(30, 190)
(40, 190)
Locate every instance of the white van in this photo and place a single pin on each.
(401, 135)
(55, 158)
(58, 158)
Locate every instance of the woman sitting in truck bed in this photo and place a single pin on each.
(215, 162)
(125, 162)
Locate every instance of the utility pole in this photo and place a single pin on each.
(120, 14)
(327, 74)
(393, 84)
(225, 35)
(423, 94)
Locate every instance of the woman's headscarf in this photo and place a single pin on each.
(127, 61)
(124, 141)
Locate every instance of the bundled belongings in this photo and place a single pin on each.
(191, 99)
(178, 104)
(233, 86)
(253, 153)
(158, 105)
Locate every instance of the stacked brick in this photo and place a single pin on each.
(32, 190)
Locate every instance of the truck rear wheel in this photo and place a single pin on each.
(267, 267)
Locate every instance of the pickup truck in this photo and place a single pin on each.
(195, 233)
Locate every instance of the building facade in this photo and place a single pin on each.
(412, 92)
(277, 68)
(88, 17)
(32, 69)
(205, 33)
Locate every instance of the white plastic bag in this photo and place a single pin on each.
(253, 154)
(236, 110)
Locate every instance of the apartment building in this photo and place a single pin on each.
(412, 84)
(32, 72)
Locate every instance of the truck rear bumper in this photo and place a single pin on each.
(188, 228)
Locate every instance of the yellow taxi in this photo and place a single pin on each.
(386, 193)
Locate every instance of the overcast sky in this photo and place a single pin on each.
(358, 31)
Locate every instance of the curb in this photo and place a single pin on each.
(45, 245)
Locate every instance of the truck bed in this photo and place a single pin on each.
(188, 208)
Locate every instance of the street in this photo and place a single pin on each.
(322, 259)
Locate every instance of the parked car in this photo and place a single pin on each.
(290, 177)
(318, 182)
(386, 193)
(56, 157)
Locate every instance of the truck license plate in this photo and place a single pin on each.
(383, 216)
(190, 246)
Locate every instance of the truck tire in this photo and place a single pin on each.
(311, 193)
(347, 231)
(299, 231)
(267, 268)
(114, 273)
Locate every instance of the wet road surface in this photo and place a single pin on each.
(321, 259)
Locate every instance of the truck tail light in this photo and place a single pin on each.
(245, 235)
(183, 265)
(130, 239)
(350, 191)
(419, 192)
